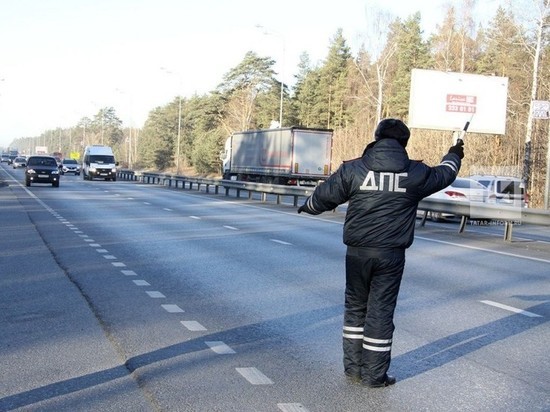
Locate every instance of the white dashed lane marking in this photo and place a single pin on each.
(128, 273)
(219, 347)
(172, 308)
(155, 294)
(251, 374)
(254, 376)
(193, 325)
(511, 309)
(282, 242)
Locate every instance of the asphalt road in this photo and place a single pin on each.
(117, 296)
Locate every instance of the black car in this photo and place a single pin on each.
(42, 169)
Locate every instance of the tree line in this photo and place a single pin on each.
(350, 94)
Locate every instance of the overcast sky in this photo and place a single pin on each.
(61, 60)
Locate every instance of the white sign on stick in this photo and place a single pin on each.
(447, 100)
(541, 109)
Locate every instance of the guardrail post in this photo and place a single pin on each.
(463, 221)
(508, 226)
(424, 218)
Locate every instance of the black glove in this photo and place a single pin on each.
(306, 208)
(458, 149)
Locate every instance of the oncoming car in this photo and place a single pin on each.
(42, 169)
(70, 166)
(19, 161)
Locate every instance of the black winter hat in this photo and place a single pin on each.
(392, 129)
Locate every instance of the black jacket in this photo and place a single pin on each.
(383, 189)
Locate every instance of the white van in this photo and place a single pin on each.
(99, 161)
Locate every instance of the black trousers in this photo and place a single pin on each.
(373, 278)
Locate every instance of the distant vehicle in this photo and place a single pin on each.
(19, 161)
(285, 156)
(58, 157)
(42, 169)
(5, 158)
(99, 162)
(13, 153)
(461, 190)
(504, 190)
(70, 166)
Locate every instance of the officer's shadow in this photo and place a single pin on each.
(450, 348)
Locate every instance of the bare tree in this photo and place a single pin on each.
(539, 24)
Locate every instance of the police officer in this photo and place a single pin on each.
(382, 188)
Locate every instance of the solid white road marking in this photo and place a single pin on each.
(155, 294)
(511, 309)
(219, 347)
(291, 407)
(254, 376)
(483, 249)
(281, 242)
(140, 282)
(192, 325)
(172, 308)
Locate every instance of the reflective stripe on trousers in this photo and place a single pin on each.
(372, 286)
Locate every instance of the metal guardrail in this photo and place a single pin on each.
(186, 182)
(508, 215)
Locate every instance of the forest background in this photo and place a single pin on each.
(349, 94)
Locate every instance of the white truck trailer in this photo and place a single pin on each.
(286, 156)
